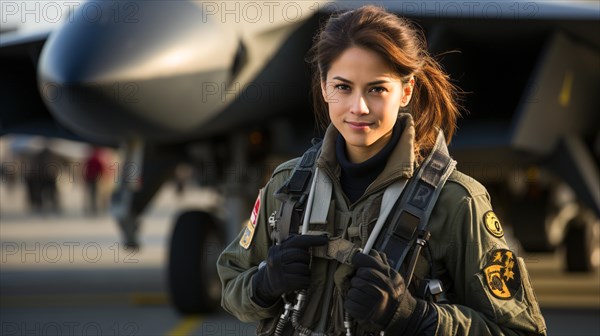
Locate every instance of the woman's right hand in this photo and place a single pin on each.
(287, 269)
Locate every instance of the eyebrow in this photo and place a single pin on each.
(382, 81)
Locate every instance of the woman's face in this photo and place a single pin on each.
(364, 97)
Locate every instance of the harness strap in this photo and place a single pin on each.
(412, 211)
(316, 211)
(341, 249)
(320, 204)
(294, 192)
(338, 248)
(390, 195)
(284, 219)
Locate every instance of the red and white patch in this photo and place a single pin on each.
(246, 239)
(254, 215)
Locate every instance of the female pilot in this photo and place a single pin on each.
(384, 99)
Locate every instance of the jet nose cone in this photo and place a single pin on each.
(128, 68)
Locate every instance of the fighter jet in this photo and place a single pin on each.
(226, 85)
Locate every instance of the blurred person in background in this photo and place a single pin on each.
(41, 174)
(94, 170)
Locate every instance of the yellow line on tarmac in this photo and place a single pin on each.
(185, 327)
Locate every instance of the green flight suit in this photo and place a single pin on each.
(487, 285)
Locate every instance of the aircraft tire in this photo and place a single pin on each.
(196, 243)
(581, 244)
(529, 223)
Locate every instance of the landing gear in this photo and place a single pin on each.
(129, 182)
(553, 218)
(129, 227)
(196, 243)
(582, 243)
(529, 217)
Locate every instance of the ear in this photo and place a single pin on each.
(407, 91)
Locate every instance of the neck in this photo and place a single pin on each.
(357, 176)
(361, 154)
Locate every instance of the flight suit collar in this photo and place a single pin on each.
(399, 165)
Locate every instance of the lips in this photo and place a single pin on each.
(359, 125)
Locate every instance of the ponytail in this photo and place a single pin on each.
(434, 106)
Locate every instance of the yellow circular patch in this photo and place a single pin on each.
(492, 224)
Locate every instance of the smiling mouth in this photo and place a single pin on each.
(358, 124)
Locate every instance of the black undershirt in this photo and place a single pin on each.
(356, 177)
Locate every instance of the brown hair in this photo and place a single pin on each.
(434, 102)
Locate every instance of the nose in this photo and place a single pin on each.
(145, 75)
(359, 105)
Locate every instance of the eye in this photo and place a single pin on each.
(342, 87)
(378, 89)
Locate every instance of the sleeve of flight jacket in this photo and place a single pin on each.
(490, 290)
(239, 261)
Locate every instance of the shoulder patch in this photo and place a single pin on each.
(246, 239)
(492, 224)
(502, 274)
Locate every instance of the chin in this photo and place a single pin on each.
(357, 142)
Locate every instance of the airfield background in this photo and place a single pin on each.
(64, 268)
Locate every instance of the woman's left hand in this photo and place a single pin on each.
(376, 291)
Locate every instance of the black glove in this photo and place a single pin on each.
(287, 269)
(378, 292)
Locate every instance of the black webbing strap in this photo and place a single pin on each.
(410, 214)
(294, 192)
